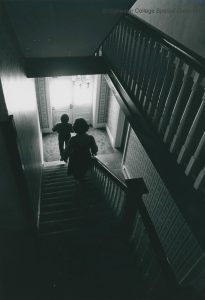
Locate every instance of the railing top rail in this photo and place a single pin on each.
(179, 49)
(111, 174)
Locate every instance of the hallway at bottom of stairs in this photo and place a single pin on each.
(82, 254)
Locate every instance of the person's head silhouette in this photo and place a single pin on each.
(80, 126)
(64, 118)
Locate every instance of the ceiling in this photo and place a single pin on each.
(63, 28)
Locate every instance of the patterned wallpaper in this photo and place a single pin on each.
(42, 102)
(177, 239)
(103, 101)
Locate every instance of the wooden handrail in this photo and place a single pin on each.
(134, 189)
(110, 173)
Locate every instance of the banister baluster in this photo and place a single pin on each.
(152, 75)
(116, 199)
(135, 61)
(180, 104)
(158, 83)
(132, 239)
(124, 49)
(131, 58)
(110, 52)
(120, 203)
(147, 68)
(106, 185)
(118, 36)
(200, 180)
(115, 46)
(103, 181)
(165, 89)
(111, 191)
(188, 114)
(194, 135)
(142, 67)
(108, 189)
(127, 56)
(139, 69)
(171, 99)
(197, 159)
(120, 52)
(107, 46)
(114, 195)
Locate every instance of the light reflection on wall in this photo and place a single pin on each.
(19, 94)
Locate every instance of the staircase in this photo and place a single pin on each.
(67, 206)
(82, 253)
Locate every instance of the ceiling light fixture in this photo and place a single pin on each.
(81, 80)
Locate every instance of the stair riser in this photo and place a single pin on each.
(52, 194)
(52, 207)
(72, 213)
(68, 195)
(74, 223)
(57, 187)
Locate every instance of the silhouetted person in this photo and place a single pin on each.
(80, 149)
(64, 130)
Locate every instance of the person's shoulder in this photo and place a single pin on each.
(67, 124)
(90, 137)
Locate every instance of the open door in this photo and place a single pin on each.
(71, 96)
(60, 91)
(83, 101)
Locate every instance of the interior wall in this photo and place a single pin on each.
(180, 245)
(112, 118)
(183, 20)
(11, 212)
(20, 100)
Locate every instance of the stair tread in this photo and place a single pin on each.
(67, 207)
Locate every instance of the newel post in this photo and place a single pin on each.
(136, 187)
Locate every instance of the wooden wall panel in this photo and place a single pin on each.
(20, 99)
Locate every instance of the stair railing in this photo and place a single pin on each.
(125, 199)
(166, 82)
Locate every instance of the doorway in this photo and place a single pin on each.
(72, 95)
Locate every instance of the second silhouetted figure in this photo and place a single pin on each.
(80, 149)
(64, 130)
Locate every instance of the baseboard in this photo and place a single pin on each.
(110, 137)
(46, 130)
(100, 125)
(125, 172)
